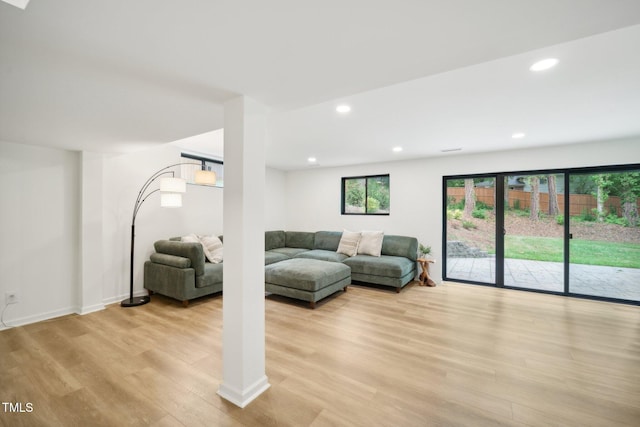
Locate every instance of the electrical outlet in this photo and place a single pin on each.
(11, 297)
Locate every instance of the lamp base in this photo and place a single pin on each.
(135, 301)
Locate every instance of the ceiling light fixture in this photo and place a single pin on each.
(545, 64)
(312, 160)
(343, 109)
(397, 149)
(518, 135)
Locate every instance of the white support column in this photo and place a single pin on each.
(243, 346)
(91, 289)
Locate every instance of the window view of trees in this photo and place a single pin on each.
(365, 195)
(623, 186)
(603, 207)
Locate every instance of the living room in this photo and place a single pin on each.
(66, 222)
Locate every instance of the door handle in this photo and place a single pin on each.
(571, 235)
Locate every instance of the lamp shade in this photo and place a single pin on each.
(203, 177)
(171, 200)
(173, 185)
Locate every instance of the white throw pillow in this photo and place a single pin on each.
(212, 247)
(190, 238)
(349, 243)
(371, 243)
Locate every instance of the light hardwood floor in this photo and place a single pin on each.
(450, 355)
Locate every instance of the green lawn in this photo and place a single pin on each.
(582, 251)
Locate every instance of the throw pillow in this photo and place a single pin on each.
(371, 243)
(349, 243)
(190, 238)
(212, 247)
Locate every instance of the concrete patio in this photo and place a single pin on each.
(610, 282)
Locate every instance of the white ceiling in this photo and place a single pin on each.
(426, 75)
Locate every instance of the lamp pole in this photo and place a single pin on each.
(142, 196)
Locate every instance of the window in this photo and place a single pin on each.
(365, 195)
(188, 172)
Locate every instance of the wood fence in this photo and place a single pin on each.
(578, 203)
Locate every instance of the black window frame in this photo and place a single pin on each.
(366, 178)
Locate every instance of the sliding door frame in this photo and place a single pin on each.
(500, 230)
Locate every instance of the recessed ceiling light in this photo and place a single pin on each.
(518, 135)
(312, 160)
(343, 109)
(545, 64)
(397, 149)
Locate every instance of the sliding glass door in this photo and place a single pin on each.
(570, 232)
(534, 231)
(605, 237)
(471, 229)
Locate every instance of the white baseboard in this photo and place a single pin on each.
(90, 309)
(244, 397)
(21, 321)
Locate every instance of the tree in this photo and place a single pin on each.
(581, 184)
(469, 198)
(506, 194)
(535, 197)
(355, 193)
(628, 185)
(378, 189)
(553, 196)
(455, 183)
(603, 183)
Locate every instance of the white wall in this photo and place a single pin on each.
(90, 224)
(39, 234)
(275, 197)
(313, 196)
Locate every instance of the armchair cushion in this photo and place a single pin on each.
(272, 256)
(274, 239)
(212, 275)
(290, 252)
(327, 240)
(385, 265)
(401, 246)
(299, 239)
(322, 255)
(193, 251)
(170, 260)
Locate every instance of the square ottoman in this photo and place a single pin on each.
(306, 279)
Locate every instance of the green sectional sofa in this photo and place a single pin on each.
(178, 269)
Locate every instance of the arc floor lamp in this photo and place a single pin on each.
(171, 189)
